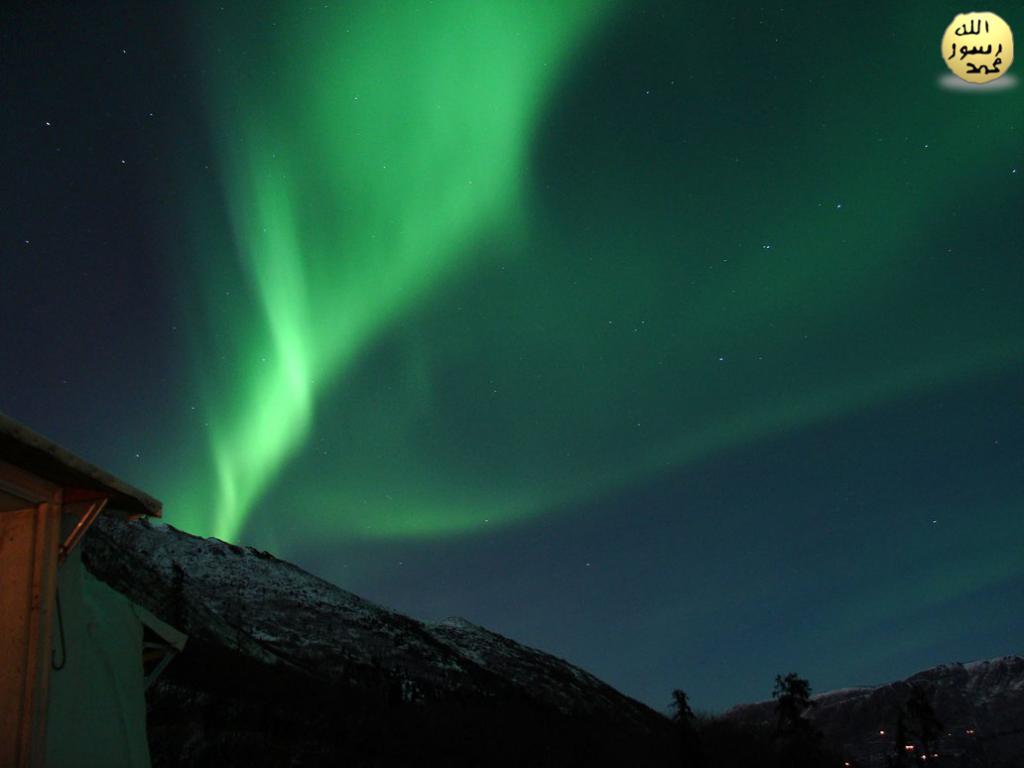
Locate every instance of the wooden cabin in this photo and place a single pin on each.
(75, 655)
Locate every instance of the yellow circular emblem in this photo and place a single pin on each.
(978, 46)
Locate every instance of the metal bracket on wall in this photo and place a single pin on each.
(87, 518)
(165, 652)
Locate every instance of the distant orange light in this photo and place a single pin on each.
(881, 733)
(909, 747)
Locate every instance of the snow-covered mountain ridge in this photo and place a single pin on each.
(266, 638)
(284, 668)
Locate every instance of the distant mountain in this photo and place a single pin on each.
(980, 704)
(285, 669)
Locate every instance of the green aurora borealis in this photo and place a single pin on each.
(447, 323)
(359, 175)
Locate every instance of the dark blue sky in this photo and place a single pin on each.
(724, 382)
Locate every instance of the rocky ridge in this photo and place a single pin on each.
(272, 644)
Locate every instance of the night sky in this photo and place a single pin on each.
(682, 340)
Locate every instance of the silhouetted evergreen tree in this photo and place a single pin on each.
(683, 720)
(798, 742)
(792, 696)
(681, 712)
